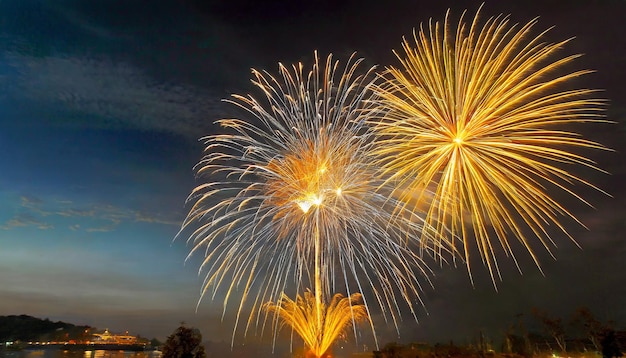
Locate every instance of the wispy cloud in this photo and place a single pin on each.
(156, 219)
(112, 94)
(102, 218)
(33, 204)
(23, 220)
(75, 212)
(111, 226)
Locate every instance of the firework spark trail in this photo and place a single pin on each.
(476, 114)
(302, 169)
(300, 314)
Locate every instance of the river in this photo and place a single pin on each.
(59, 353)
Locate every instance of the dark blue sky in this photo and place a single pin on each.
(101, 107)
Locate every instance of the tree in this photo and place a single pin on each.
(610, 346)
(553, 327)
(155, 342)
(184, 343)
(392, 350)
(517, 340)
(592, 328)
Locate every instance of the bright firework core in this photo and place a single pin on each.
(309, 177)
(316, 198)
(477, 112)
(292, 200)
(308, 201)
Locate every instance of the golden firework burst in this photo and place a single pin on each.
(291, 198)
(477, 123)
(302, 316)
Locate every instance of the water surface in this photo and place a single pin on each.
(59, 353)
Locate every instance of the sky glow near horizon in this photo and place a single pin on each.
(101, 108)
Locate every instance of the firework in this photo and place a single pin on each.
(303, 313)
(472, 125)
(292, 200)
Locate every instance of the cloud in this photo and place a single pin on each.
(117, 215)
(105, 228)
(93, 217)
(144, 217)
(30, 201)
(113, 94)
(75, 212)
(24, 220)
(33, 204)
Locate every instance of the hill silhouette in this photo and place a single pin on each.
(27, 328)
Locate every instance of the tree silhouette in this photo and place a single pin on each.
(610, 345)
(184, 343)
(553, 327)
(592, 327)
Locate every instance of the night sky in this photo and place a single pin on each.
(102, 103)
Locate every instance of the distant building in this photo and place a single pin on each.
(107, 338)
